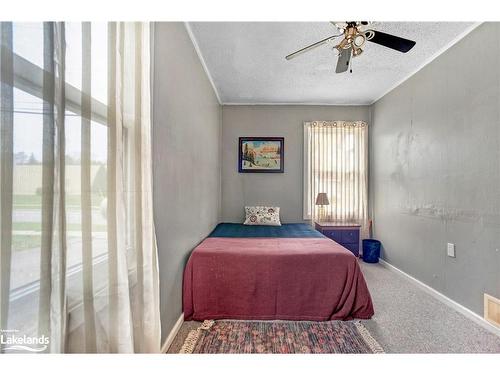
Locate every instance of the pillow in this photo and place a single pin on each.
(262, 215)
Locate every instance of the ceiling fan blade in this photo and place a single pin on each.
(310, 47)
(392, 41)
(343, 61)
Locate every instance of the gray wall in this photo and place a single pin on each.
(435, 170)
(278, 189)
(186, 160)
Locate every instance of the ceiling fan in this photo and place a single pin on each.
(356, 34)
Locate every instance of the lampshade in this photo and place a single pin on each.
(322, 199)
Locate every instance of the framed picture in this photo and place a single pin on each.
(261, 155)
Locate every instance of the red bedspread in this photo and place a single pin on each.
(274, 278)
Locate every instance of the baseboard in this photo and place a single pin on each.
(172, 334)
(446, 300)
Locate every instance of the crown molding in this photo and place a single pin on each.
(298, 104)
(202, 60)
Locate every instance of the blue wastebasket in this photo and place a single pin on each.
(371, 251)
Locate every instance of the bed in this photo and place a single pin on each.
(287, 272)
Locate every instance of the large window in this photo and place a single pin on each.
(28, 113)
(78, 260)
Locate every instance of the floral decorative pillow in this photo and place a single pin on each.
(262, 215)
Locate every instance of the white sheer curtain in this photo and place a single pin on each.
(78, 259)
(335, 163)
(134, 296)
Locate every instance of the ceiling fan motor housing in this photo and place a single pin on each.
(353, 39)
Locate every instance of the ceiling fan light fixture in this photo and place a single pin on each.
(357, 52)
(359, 40)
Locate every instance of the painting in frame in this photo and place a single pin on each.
(261, 155)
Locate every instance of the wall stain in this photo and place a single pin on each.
(451, 214)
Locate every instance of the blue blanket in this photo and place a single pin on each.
(298, 230)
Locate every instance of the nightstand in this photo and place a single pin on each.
(345, 234)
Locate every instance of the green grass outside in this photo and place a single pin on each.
(35, 201)
(22, 242)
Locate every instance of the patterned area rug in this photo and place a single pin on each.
(280, 337)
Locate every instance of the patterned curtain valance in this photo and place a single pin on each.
(338, 124)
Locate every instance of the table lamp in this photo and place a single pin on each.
(322, 201)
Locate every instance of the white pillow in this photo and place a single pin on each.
(262, 215)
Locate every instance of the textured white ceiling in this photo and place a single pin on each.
(246, 61)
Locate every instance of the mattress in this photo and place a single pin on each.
(238, 273)
(296, 230)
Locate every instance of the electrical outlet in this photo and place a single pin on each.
(450, 250)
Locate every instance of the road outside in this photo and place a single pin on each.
(25, 263)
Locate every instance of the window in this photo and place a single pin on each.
(28, 64)
(79, 262)
(335, 163)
